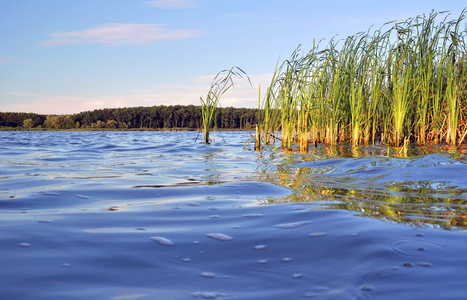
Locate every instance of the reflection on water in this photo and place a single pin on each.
(427, 187)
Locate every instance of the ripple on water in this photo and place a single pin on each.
(209, 295)
(415, 247)
(252, 215)
(162, 240)
(169, 227)
(317, 234)
(292, 224)
(219, 236)
(208, 274)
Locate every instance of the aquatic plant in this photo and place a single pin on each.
(406, 83)
(221, 83)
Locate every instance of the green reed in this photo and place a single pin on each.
(221, 83)
(396, 85)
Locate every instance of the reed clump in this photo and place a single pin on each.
(407, 82)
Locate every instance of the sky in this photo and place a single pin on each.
(69, 56)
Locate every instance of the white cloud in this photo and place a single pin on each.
(116, 34)
(172, 4)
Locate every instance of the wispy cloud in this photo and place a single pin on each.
(172, 4)
(116, 34)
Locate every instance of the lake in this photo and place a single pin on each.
(156, 215)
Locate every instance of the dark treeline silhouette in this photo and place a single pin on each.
(154, 117)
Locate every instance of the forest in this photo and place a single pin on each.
(154, 117)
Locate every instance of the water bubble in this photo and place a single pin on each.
(317, 234)
(186, 260)
(219, 236)
(176, 207)
(207, 274)
(252, 215)
(424, 264)
(287, 259)
(214, 216)
(260, 247)
(195, 242)
(193, 204)
(66, 265)
(297, 275)
(162, 240)
(82, 197)
(293, 224)
(262, 261)
(24, 245)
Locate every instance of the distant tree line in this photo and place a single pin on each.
(155, 117)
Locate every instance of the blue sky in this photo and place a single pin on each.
(64, 57)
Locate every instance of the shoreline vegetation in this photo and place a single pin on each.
(162, 117)
(117, 129)
(396, 86)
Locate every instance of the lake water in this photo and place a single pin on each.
(156, 215)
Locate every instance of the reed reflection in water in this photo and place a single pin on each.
(428, 187)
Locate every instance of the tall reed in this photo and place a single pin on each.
(221, 83)
(403, 82)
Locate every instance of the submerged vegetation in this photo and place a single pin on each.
(404, 84)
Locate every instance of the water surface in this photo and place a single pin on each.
(155, 215)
